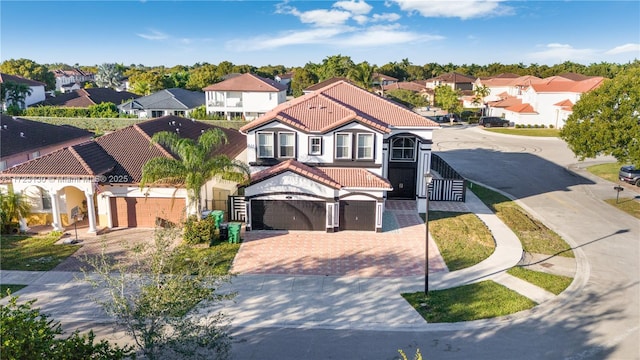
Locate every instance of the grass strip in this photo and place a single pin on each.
(218, 257)
(33, 252)
(482, 300)
(526, 132)
(552, 283)
(462, 238)
(533, 234)
(608, 171)
(628, 205)
(9, 287)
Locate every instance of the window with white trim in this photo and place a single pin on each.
(365, 146)
(315, 145)
(403, 149)
(265, 144)
(343, 146)
(286, 144)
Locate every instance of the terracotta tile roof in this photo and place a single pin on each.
(526, 80)
(565, 104)
(88, 97)
(378, 76)
(454, 77)
(336, 178)
(506, 102)
(559, 84)
(326, 83)
(407, 85)
(522, 109)
(125, 150)
(338, 104)
(87, 159)
(19, 80)
(574, 76)
(18, 135)
(247, 82)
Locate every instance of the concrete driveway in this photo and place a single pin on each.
(398, 251)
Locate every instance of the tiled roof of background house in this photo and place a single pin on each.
(522, 109)
(88, 97)
(559, 84)
(407, 85)
(326, 83)
(19, 80)
(247, 83)
(565, 104)
(18, 135)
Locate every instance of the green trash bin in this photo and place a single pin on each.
(218, 216)
(234, 233)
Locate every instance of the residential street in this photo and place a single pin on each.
(595, 319)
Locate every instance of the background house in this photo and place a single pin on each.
(23, 140)
(175, 101)
(101, 177)
(83, 98)
(328, 160)
(245, 96)
(37, 88)
(68, 80)
(454, 80)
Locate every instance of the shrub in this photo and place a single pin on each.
(473, 119)
(198, 232)
(550, 126)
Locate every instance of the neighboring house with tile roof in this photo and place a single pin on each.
(414, 86)
(247, 96)
(37, 88)
(328, 160)
(83, 98)
(102, 177)
(66, 80)
(382, 80)
(22, 140)
(175, 101)
(454, 80)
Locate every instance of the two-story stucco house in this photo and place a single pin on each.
(246, 96)
(37, 88)
(328, 160)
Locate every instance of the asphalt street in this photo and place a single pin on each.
(595, 319)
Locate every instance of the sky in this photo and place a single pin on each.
(293, 33)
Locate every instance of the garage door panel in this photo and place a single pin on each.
(146, 212)
(287, 215)
(357, 215)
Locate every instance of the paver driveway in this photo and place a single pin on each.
(396, 252)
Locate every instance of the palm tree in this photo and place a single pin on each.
(13, 207)
(362, 74)
(480, 93)
(108, 76)
(194, 165)
(15, 93)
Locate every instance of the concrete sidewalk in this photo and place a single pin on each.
(299, 301)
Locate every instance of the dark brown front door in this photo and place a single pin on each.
(403, 181)
(357, 215)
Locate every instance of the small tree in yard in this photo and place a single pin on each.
(157, 300)
(29, 334)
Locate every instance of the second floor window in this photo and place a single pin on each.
(265, 145)
(286, 144)
(343, 146)
(315, 145)
(403, 149)
(365, 146)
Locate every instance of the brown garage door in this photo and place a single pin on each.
(357, 215)
(146, 212)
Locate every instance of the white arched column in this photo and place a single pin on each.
(91, 212)
(55, 210)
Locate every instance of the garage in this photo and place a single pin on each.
(146, 212)
(288, 215)
(357, 215)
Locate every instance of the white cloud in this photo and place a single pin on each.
(294, 37)
(154, 35)
(385, 17)
(626, 48)
(357, 7)
(562, 52)
(361, 19)
(381, 36)
(464, 9)
(320, 17)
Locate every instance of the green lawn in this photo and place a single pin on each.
(482, 300)
(217, 258)
(527, 132)
(10, 287)
(462, 238)
(36, 253)
(628, 205)
(552, 283)
(608, 171)
(534, 235)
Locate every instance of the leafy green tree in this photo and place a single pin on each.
(479, 93)
(270, 71)
(224, 68)
(448, 99)
(334, 66)
(194, 165)
(150, 82)
(13, 207)
(202, 77)
(606, 121)
(29, 334)
(362, 75)
(302, 79)
(161, 303)
(108, 76)
(408, 98)
(103, 110)
(31, 70)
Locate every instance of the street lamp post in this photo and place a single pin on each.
(427, 179)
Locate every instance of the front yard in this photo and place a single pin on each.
(33, 252)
